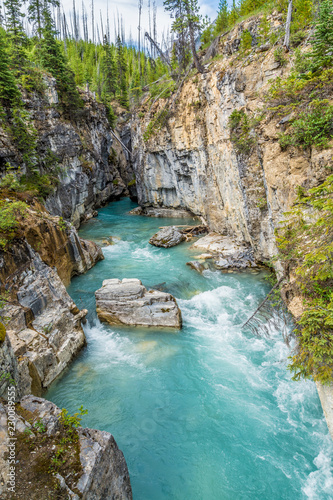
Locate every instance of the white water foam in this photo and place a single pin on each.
(119, 349)
(319, 484)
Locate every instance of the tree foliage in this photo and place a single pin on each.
(305, 241)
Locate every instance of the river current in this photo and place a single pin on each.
(206, 413)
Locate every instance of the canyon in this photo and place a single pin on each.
(191, 166)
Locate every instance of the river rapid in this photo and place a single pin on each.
(206, 413)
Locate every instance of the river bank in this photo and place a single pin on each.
(203, 412)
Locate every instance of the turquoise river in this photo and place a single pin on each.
(206, 413)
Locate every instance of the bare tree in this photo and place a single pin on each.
(92, 22)
(286, 42)
(157, 48)
(139, 35)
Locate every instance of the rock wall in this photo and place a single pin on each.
(100, 471)
(43, 324)
(192, 163)
(90, 162)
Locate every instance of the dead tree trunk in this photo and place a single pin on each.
(160, 52)
(286, 42)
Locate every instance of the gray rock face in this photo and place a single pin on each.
(160, 212)
(94, 167)
(167, 237)
(128, 302)
(44, 329)
(239, 260)
(193, 164)
(226, 252)
(104, 473)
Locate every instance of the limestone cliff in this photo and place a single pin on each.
(82, 152)
(192, 162)
(43, 324)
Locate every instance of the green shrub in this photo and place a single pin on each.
(156, 124)
(279, 56)
(297, 38)
(2, 333)
(71, 422)
(313, 127)
(305, 242)
(10, 211)
(242, 131)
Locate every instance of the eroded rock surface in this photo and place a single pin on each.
(193, 164)
(44, 329)
(128, 302)
(94, 469)
(160, 212)
(225, 252)
(167, 237)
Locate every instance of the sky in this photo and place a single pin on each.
(128, 9)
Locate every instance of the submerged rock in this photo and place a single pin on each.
(128, 302)
(167, 237)
(197, 266)
(91, 467)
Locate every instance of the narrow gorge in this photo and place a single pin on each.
(135, 243)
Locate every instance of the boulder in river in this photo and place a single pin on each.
(167, 237)
(227, 253)
(197, 266)
(128, 302)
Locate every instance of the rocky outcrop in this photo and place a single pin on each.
(82, 152)
(57, 243)
(192, 162)
(43, 324)
(171, 213)
(128, 302)
(92, 467)
(167, 237)
(225, 253)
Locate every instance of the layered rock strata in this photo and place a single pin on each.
(128, 302)
(167, 237)
(193, 164)
(43, 324)
(97, 470)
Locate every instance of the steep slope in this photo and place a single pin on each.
(241, 187)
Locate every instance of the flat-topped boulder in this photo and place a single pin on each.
(167, 237)
(128, 302)
(226, 252)
(218, 244)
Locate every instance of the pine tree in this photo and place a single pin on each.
(53, 60)
(322, 53)
(35, 13)
(234, 14)
(122, 69)
(109, 71)
(222, 20)
(8, 89)
(16, 34)
(187, 24)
